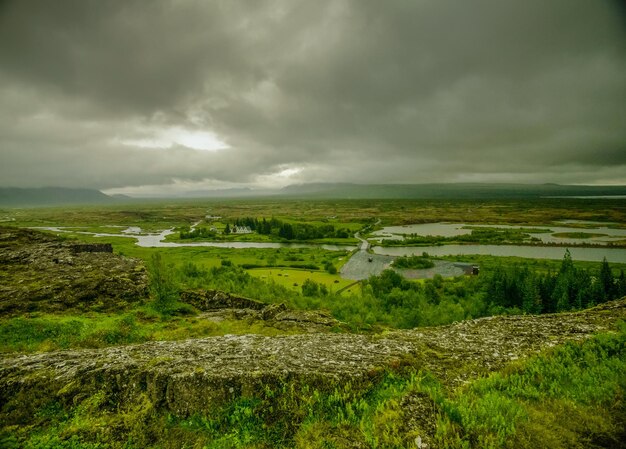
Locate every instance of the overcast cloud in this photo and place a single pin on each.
(138, 96)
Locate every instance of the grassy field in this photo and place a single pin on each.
(293, 279)
(158, 215)
(43, 332)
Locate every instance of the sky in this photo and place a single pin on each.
(168, 96)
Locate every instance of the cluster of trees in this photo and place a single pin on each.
(570, 288)
(292, 231)
(273, 226)
(198, 232)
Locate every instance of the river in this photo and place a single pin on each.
(157, 240)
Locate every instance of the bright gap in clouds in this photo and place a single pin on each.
(166, 138)
(286, 173)
(280, 178)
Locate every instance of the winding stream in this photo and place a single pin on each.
(157, 241)
(595, 254)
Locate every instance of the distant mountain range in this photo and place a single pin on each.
(52, 196)
(446, 191)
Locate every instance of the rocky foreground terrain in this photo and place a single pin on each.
(44, 273)
(192, 376)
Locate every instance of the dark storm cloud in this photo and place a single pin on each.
(362, 91)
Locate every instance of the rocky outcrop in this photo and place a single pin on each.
(215, 300)
(91, 248)
(218, 306)
(192, 376)
(41, 272)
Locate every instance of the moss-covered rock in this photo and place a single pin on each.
(41, 272)
(195, 376)
(218, 306)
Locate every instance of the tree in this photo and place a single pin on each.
(567, 266)
(621, 285)
(531, 300)
(286, 231)
(227, 229)
(606, 281)
(496, 289)
(330, 267)
(564, 294)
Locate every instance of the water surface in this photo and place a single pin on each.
(613, 255)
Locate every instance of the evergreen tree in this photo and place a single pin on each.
(564, 294)
(496, 289)
(621, 285)
(286, 231)
(585, 296)
(546, 290)
(531, 299)
(567, 266)
(606, 281)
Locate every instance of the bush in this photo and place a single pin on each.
(310, 288)
(413, 262)
(162, 285)
(330, 268)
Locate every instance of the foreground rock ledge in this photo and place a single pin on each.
(190, 376)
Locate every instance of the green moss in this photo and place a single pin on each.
(566, 397)
(48, 332)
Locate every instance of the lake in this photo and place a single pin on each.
(456, 229)
(613, 255)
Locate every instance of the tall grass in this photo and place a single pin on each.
(568, 397)
(47, 332)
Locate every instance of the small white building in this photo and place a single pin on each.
(241, 230)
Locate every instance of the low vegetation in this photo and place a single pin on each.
(577, 235)
(553, 400)
(413, 262)
(568, 396)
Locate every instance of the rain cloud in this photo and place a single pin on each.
(175, 95)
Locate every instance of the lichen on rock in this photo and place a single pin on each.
(190, 376)
(41, 272)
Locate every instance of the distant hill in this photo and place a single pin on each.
(445, 191)
(243, 192)
(50, 196)
(57, 196)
